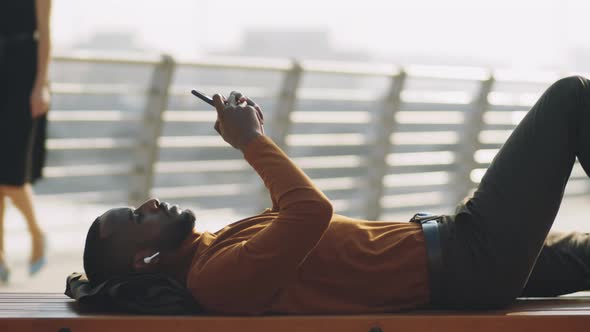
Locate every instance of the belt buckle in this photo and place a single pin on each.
(424, 217)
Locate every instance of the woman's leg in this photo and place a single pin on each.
(22, 197)
(2, 258)
(499, 232)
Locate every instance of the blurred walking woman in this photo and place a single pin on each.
(24, 102)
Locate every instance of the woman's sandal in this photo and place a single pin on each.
(39, 263)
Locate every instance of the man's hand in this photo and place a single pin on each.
(239, 119)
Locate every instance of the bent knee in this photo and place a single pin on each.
(571, 84)
(569, 97)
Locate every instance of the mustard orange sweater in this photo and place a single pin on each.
(299, 258)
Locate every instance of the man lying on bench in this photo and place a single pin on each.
(300, 258)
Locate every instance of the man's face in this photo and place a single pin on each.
(154, 225)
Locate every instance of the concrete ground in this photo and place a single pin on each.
(66, 227)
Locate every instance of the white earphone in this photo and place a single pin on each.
(149, 259)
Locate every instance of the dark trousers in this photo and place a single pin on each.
(491, 244)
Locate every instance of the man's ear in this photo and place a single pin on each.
(139, 265)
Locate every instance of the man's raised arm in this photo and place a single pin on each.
(244, 277)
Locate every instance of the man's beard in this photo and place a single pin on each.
(175, 232)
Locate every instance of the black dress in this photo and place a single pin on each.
(22, 138)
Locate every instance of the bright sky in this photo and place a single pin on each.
(516, 32)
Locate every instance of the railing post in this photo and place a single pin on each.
(385, 124)
(146, 152)
(472, 126)
(281, 119)
(280, 123)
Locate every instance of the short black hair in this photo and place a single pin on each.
(94, 250)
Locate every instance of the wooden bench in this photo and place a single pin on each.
(57, 313)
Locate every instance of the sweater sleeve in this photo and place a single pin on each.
(244, 277)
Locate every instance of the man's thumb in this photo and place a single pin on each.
(219, 102)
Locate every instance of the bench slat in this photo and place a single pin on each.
(54, 312)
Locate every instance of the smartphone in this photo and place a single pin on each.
(209, 100)
(203, 97)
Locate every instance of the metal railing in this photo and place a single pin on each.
(379, 140)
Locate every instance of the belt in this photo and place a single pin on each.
(430, 227)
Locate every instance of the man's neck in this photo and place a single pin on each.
(177, 265)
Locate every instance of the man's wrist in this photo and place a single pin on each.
(248, 139)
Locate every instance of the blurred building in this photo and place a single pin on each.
(300, 44)
(297, 43)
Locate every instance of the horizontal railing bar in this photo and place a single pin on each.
(341, 205)
(494, 136)
(201, 166)
(90, 143)
(253, 92)
(448, 72)
(429, 107)
(425, 148)
(331, 94)
(97, 89)
(504, 118)
(316, 66)
(201, 191)
(533, 76)
(244, 63)
(213, 211)
(335, 162)
(476, 174)
(421, 158)
(485, 156)
(341, 183)
(416, 199)
(292, 140)
(88, 196)
(86, 170)
(323, 117)
(349, 68)
(406, 190)
(417, 179)
(509, 108)
(419, 185)
(323, 162)
(498, 98)
(429, 117)
(425, 138)
(331, 117)
(497, 126)
(191, 141)
(326, 139)
(524, 76)
(190, 116)
(92, 116)
(415, 168)
(436, 97)
(118, 58)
